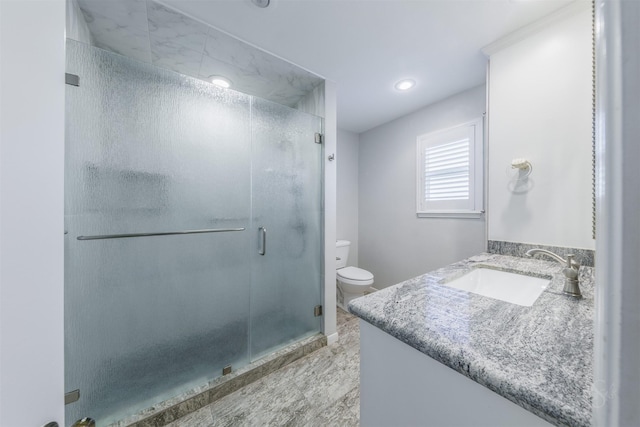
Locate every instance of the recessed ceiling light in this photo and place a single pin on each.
(405, 84)
(221, 81)
(261, 3)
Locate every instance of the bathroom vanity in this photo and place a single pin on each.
(432, 354)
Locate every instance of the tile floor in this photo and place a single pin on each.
(321, 389)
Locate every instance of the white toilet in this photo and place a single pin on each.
(352, 282)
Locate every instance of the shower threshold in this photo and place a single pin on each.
(177, 407)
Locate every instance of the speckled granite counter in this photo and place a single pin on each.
(539, 357)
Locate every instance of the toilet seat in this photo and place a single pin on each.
(354, 276)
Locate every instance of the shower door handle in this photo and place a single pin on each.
(263, 246)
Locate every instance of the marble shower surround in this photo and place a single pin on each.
(539, 357)
(585, 257)
(153, 33)
(172, 409)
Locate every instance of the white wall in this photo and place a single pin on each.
(394, 244)
(31, 212)
(330, 142)
(347, 203)
(540, 108)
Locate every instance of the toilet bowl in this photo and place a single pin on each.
(352, 282)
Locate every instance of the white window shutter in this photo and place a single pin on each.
(447, 171)
(450, 171)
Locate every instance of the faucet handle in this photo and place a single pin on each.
(571, 274)
(571, 262)
(571, 270)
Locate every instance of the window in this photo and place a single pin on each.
(450, 164)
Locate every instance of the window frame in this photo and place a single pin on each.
(476, 172)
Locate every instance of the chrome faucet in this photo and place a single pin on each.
(570, 271)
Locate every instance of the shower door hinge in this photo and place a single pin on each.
(226, 370)
(317, 310)
(319, 138)
(84, 422)
(71, 79)
(72, 396)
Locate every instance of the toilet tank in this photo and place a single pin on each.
(342, 253)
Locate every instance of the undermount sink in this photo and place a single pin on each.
(501, 285)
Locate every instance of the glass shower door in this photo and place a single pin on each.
(151, 151)
(286, 226)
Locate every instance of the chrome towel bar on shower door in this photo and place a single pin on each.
(167, 233)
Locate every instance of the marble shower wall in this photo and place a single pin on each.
(76, 26)
(313, 102)
(153, 33)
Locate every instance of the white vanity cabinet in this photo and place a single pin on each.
(400, 386)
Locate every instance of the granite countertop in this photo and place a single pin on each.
(539, 357)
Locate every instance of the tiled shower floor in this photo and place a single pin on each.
(320, 389)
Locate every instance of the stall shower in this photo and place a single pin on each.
(193, 231)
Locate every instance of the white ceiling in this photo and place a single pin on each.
(365, 46)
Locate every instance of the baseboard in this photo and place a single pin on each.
(333, 338)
